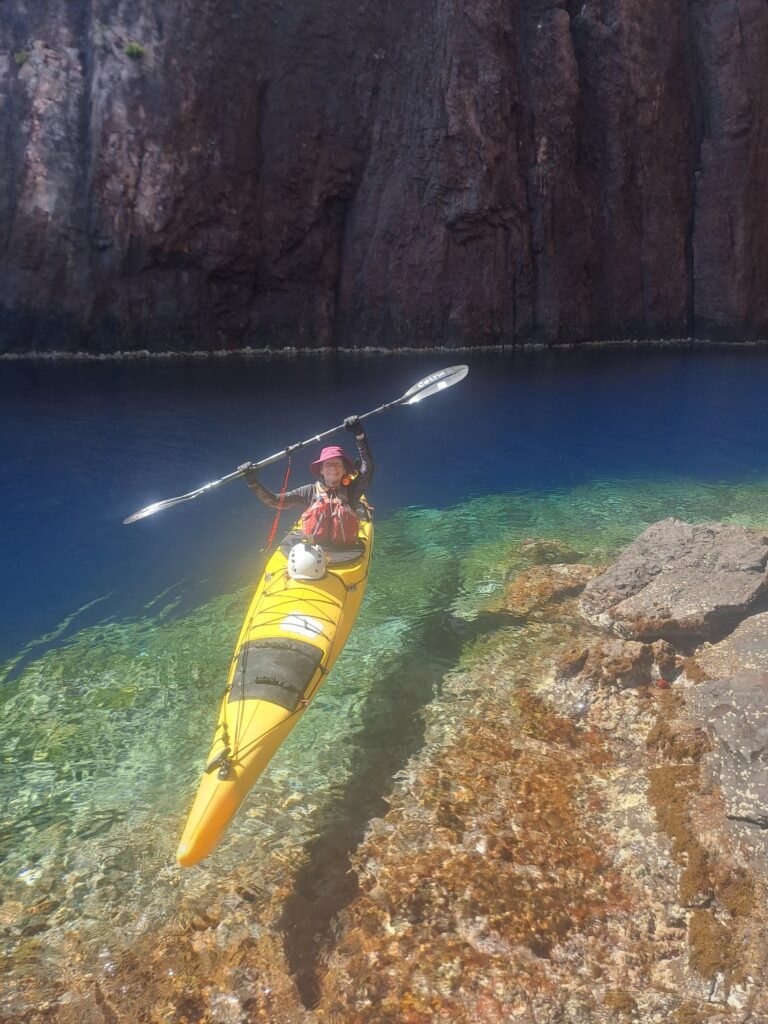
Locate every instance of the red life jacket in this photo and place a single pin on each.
(329, 519)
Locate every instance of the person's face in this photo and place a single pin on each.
(333, 471)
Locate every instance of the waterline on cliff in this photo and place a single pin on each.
(294, 352)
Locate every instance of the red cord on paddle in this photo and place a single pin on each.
(279, 511)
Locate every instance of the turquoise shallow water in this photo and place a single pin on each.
(106, 731)
(85, 445)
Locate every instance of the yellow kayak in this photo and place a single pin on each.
(293, 633)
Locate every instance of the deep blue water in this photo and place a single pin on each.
(85, 444)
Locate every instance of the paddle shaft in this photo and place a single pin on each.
(289, 450)
(310, 440)
(427, 386)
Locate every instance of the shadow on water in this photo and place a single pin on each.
(393, 731)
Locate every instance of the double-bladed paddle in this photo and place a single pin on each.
(438, 381)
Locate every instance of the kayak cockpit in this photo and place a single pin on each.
(334, 555)
(277, 669)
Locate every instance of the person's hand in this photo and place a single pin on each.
(354, 426)
(247, 468)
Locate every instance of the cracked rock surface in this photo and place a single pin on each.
(198, 176)
(678, 580)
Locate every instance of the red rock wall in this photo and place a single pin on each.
(477, 172)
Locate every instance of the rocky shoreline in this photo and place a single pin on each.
(593, 846)
(582, 838)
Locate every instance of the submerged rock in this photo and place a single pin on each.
(616, 663)
(680, 580)
(743, 650)
(541, 586)
(559, 854)
(547, 552)
(735, 712)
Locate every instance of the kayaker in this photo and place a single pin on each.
(330, 504)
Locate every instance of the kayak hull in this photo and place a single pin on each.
(292, 634)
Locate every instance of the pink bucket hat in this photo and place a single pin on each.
(332, 452)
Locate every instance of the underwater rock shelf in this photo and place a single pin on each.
(580, 837)
(585, 842)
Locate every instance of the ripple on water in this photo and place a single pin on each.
(105, 734)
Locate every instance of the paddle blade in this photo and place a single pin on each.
(149, 510)
(435, 382)
(158, 506)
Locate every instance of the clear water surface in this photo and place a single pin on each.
(115, 640)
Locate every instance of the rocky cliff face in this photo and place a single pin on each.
(187, 174)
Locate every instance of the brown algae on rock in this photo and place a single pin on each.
(718, 891)
(504, 863)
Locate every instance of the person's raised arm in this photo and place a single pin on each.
(367, 465)
(297, 498)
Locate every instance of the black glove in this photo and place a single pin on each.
(354, 426)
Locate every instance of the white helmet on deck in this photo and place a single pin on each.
(306, 562)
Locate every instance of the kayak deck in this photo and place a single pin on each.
(292, 634)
